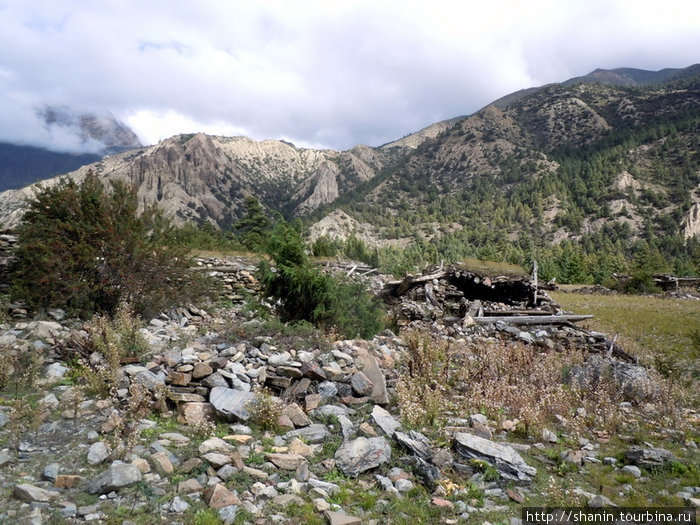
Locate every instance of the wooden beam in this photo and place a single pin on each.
(532, 319)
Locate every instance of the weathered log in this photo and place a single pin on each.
(532, 319)
(515, 312)
(403, 286)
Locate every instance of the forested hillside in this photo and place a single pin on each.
(589, 179)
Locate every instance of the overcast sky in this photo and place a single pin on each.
(318, 73)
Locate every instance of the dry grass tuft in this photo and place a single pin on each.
(510, 381)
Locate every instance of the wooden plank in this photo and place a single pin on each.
(515, 312)
(532, 319)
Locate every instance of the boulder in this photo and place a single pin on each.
(648, 457)
(507, 461)
(231, 404)
(115, 477)
(362, 454)
(29, 493)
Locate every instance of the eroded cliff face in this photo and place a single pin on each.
(321, 188)
(690, 226)
(205, 178)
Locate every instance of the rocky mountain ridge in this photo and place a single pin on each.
(517, 152)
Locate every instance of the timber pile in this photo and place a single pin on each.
(465, 304)
(672, 283)
(454, 293)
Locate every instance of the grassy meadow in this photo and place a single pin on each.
(660, 331)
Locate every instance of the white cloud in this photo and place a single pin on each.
(315, 72)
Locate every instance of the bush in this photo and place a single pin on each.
(86, 249)
(306, 293)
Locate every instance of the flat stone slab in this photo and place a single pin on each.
(362, 454)
(29, 493)
(114, 478)
(338, 518)
(231, 404)
(507, 461)
(286, 461)
(315, 433)
(385, 420)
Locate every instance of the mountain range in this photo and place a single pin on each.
(612, 155)
(93, 135)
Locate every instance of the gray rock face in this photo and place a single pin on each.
(648, 457)
(362, 454)
(230, 403)
(115, 477)
(508, 462)
(50, 471)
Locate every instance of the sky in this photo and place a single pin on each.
(327, 73)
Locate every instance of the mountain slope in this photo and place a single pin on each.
(205, 178)
(614, 168)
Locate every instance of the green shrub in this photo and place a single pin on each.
(306, 293)
(85, 249)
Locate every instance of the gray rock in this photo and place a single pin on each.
(361, 384)
(600, 501)
(230, 403)
(29, 493)
(57, 314)
(479, 418)
(315, 433)
(649, 457)
(548, 435)
(632, 469)
(214, 380)
(55, 372)
(506, 460)
(5, 458)
(226, 472)
(50, 471)
(385, 420)
(362, 454)
(4, 419)
(178, 505)
(98, 453)
(45, 330)
(346, 426)
(115, 477)
(238, 428)
(403, 485)
(227, 514)
(332, 410)
(634, 380)
(330, 488)
(371, 369)
(327, 389)
(149, 380)
(415, 442)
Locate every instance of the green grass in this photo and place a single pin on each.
(662, 331)
(493, 268)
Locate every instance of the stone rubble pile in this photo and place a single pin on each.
(333, 400)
